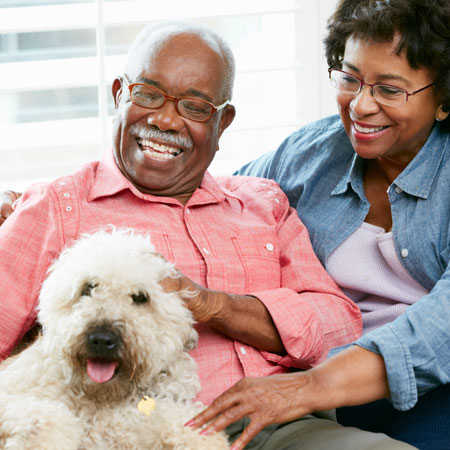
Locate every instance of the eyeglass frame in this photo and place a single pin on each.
(214, 108)
(363, 83)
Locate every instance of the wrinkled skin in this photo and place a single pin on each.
(264, 401)
(203, 303)
(352, 377)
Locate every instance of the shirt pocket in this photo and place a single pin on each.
(258, 254)
(161, 241)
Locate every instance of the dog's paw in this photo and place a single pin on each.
(186, 438)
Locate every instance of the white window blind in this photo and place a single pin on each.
(58, 59)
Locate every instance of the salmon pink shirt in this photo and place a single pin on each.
(235, 234)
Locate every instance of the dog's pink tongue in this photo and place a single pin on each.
(100, 371)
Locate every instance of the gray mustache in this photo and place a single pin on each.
(168, 137)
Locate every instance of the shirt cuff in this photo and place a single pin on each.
(395, 351)
(298, 326)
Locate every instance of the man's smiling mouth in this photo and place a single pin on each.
(158, 151)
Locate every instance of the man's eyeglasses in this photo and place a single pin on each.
(191, 108)
(383, 93)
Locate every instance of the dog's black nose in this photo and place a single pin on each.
(102, 342)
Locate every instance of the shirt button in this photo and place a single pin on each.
(206, 251)
(188, 211)
(66, 194)
(277, 201)
(69, 208)
(398, 190)
(62, 183)
(243, 351)
(270, 192)
(269, 247)
(404, 252)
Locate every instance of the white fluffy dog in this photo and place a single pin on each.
(111, 369)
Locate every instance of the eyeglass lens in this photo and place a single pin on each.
(193, 109)
(388, 95)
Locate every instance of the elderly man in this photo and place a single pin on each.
(265, 303)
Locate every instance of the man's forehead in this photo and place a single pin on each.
(183, 53)
(156, 48)
(182, 45)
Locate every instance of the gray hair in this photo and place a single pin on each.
(159, 32)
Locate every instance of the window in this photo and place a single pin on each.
(58, 59)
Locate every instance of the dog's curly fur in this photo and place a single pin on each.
(107, 282)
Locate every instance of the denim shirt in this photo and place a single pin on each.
(323, 178)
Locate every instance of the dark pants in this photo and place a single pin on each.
(426, 426)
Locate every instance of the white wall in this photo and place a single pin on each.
(49, 123)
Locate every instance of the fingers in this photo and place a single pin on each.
(221, 413)
(171, 284)
(264, 401)
(228, 408)
(7, 199)
(224, 411)
(253, 428)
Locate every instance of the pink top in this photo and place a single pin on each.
(237, 235)
(367, 268)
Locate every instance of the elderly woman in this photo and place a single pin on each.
(373, 188)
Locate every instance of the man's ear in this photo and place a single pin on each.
(228, 114)
(117, 91)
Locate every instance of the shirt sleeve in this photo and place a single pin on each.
(310, 312)
(415, 346)
(29, 242)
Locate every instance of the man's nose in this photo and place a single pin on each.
(166, 118)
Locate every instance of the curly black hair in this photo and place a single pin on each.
(423, 27)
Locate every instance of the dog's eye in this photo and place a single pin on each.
(87, 288)
(140, 297)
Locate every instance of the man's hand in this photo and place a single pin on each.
(204, 304)
(7, 200)
(265, 401)
(241, 317)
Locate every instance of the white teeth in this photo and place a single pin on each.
(163, 151)
(157, 155)
(366, 130)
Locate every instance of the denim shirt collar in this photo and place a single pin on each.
(353, 177)
(416, 179)
(420, 174)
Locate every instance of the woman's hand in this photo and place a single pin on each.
(352, 377)
(7, 200)
(265, 401)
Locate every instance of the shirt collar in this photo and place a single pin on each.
(416, 179)
(419, 175)
(353, 176)
(109, 180)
